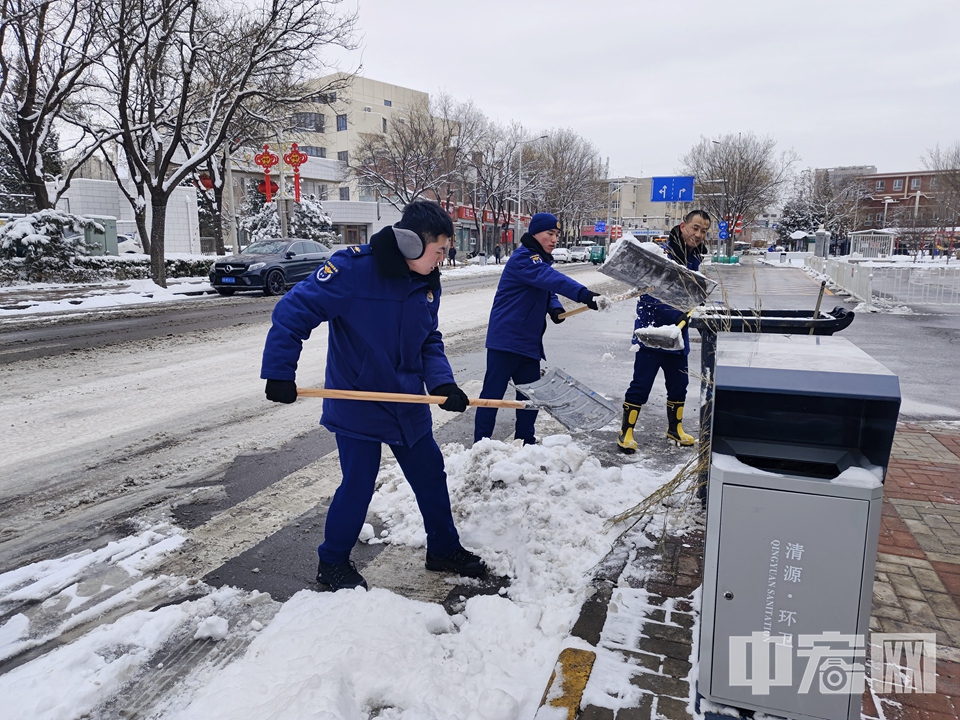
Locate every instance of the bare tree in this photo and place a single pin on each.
(569, 184)
(48, 49)
(946, 164)
(738, 175)
(814, 200)
(180, 71)
(493, 167)
(422, 154)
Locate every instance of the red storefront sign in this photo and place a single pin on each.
(465, 212)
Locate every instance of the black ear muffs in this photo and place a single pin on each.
(410, 244)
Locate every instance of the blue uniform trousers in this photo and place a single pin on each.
(645, 367)
(502, 367)
(422, 465)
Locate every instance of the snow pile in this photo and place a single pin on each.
(536, 514)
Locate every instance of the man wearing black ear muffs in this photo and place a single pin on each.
(380, 302)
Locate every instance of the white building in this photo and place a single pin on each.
(104, 198)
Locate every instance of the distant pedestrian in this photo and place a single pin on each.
(452, 256)
(496, 253)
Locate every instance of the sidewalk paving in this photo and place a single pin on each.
(650, 625)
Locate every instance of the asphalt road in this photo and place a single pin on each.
(918, 347)
(57, 334)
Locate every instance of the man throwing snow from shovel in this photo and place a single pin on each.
(686, 248)
(527, 294)
(380, 302)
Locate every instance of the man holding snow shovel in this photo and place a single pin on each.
(686, 247)
(380, 301)
(526, 295)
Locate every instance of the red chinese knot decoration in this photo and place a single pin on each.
(266, 160)
(295, 159)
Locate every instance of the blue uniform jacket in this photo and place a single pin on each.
(651, 312)
(527, 292)
(382, 336)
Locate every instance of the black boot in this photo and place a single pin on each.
(460, 561)
(340, 576)
(626, 442)
(675, 430)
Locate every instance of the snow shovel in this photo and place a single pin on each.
(572, 415)
(663, 337)
(672, 283)
(572, 403)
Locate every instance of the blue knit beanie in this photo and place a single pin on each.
(543, 221)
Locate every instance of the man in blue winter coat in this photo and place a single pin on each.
(380, 302)
(527, 294)
(686, 248)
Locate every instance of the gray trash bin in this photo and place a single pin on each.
(802, 432)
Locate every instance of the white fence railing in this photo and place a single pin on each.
(920, 284)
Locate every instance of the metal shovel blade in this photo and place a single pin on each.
(573, 404)
(672, 283)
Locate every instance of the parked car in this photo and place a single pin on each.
(129, 243)
(268, 265)
(579, 254)
(561, 255)
(598, 253)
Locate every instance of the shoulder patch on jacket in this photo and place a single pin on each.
(536, 259)
(327, 271)
(355, 248)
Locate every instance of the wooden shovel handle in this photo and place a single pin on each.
(404, 398)
(568, 313)
(615, 298)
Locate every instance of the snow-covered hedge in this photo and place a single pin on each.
(95, 269)
(49, 246)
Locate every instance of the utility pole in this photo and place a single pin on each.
(228, 218)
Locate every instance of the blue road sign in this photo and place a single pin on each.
(722, 225)
(723, 234)
(600, 227)
(672, 189)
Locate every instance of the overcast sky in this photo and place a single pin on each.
(841, 82)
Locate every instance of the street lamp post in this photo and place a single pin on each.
(520, 182)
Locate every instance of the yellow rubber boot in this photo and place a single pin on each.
(626, 441)
(675, 429)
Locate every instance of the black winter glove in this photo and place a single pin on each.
(283, 391)
(591, 301)
(457, 400)
(555, 316)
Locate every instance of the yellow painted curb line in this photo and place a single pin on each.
(573, 668)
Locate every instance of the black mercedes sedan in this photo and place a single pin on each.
(271, 266)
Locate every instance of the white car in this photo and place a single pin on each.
(561, 255)
(129, 243)
(579, 254)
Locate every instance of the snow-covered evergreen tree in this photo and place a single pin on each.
(45, 234)
(309, 221)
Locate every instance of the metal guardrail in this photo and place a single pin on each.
(920, 284)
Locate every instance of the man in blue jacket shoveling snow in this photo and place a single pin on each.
(527, 294)
(380, 302)
(686, 248)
